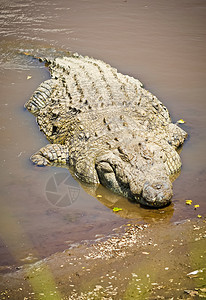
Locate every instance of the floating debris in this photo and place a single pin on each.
(181, 121)
(117, 209)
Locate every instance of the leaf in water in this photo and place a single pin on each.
(26, 53)
(181, 121)
(117, 209)
(188, 202)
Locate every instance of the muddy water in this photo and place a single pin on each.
(162, 44)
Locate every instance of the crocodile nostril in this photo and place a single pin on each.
(158, 186)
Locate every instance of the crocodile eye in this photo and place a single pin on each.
(104, 167)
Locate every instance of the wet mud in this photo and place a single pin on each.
(139, 262)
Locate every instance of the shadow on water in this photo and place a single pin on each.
(129, 209)
(161, 44)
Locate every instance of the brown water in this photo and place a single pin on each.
(162, 44)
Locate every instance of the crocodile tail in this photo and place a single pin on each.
(44, 54)
(42, 96)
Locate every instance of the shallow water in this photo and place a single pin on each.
(163, 45)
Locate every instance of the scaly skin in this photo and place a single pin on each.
(108, 128)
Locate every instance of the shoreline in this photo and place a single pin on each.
(148, 261)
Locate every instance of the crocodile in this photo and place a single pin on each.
(108, 129)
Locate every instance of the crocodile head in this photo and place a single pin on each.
(141, 177)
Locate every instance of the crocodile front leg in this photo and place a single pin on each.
(50, 155)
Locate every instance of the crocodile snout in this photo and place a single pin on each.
(157, 194)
